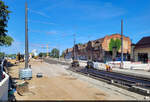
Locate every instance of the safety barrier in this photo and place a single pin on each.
(129, 65)
(4, 88)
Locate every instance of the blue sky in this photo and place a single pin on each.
(54, 22)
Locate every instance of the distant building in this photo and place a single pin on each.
(99, 49)
(68, 53)
(142, 50)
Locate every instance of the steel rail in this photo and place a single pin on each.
(117, 78)
(133, 81)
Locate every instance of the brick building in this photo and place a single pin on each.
(142, 50)
(99, 49)
(68, 53)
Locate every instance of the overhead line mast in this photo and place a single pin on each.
(26, 36)
(121, 43)
(74, 54)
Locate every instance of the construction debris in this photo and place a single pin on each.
(22, 88)
(39, 75)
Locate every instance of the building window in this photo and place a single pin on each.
(143, 57)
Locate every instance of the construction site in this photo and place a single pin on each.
(107, 67)
(56, 80)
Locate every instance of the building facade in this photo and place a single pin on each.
(142, 50)
(68, 53)
(99, 49)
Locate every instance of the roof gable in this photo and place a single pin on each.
(143, 43)
(144, 40)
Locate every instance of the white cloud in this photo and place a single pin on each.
(42, 22)
(39, 13)
(52, 32)
(102, 10)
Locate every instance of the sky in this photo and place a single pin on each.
(54, 22)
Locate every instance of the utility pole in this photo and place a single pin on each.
(121, 44)
(26, 36)
(74, 47)
(59, 51)
(91, 52)
(47, 50)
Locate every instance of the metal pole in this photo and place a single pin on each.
(47, 50)
(59, 51)
(26, 36)
(91, 52)
(121, 43)
(74, 48)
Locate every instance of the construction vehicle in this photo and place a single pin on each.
(75, 63)
(90, 64)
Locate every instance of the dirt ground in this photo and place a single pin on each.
(56, 84)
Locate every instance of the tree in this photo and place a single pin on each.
(118, 44)
(41, 54)
(11, 55)
(5, 40)
(114, 43)
(111, 44)
(55, 53)
(79, 44)
(2, 54)
(114, 47)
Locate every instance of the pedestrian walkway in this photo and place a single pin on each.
(140, 73)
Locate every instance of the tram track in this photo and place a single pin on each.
(131, 83)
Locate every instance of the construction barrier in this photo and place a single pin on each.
(129, 65)
(4, 88)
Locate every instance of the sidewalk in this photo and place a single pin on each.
(140, 73)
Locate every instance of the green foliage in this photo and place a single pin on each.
(79, 44)
(4, 16)
(118, 44)
(2, 54)
(5, 40)
(114, 43)
(55, 53)
(11, 55)
(111, 44)
(41, 54)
